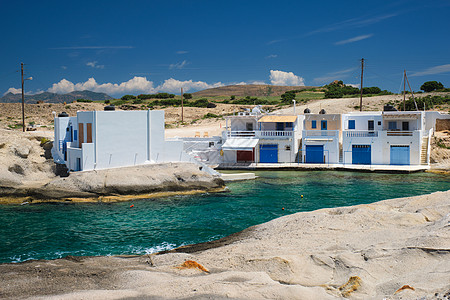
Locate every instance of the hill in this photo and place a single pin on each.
(47, 97)
(253, 90)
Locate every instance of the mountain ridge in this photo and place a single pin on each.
(48, 97)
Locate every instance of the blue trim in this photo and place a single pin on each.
(313, 124)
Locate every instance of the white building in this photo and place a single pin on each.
(321, 138)
(251, 137)
(386, 138)
(108, 139)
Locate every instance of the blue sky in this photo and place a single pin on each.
(122, 47)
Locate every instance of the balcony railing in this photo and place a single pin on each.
(260, 134)
(329, 133)
(361, 133)
(399, 133)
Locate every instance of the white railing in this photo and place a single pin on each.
(260, 134)
(361, 133)
(330, 133)
(240, 134)
(273, 133)
(399, 133)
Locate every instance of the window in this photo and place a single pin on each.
(314, 124)
(379, 123)
(211, 144)
(392, 125)
(88, 132)
(370, 125)
(289, 124)
(75, 134)
(323, 125)
(280, 126)
(249, 126)
(351, 124)
(287, 148)
(405, 125)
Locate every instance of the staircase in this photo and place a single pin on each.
(423, 151)
(341, 154)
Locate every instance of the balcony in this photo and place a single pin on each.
(399, 133)
(327, 133)
(360, 133)
(267, 134)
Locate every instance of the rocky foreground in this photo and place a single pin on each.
(28, 174)
(393, 249)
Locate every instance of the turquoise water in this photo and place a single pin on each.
(48, 231)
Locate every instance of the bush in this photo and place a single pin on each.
(288, 96)
(210, 116)
(250, 101)
(211, 105)
(156, 96)
(428, 101)
(107, 101)
(334, 92)
(371, 90)
(187, 96)
(84, 100)
(137, 101)
(128, 97)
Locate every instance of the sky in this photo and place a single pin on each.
(135, 47)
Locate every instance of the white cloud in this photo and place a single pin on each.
(354, 39)
(433, 70)
(134, 85)
(179, 65)
(285, 78)
(173, 85)
(94, 64)
(271, 56)
(13, 90)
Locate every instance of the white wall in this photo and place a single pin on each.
(375, 145)
(361, 121)
(431, 117)
(240, 123)
(330, 148)
(284, 156)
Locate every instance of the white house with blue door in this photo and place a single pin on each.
(251, 137)
(386, 138)
(107, 139)
(321, 138)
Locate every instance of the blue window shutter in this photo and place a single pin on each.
(313, 124)
(75, 135)
(351, 124)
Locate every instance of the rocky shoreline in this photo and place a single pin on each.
(392, 249)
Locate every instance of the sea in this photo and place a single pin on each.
(55, 230)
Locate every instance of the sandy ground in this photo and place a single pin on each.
(393, 249)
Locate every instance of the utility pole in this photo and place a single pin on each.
(182, 106)
(360, 97)
(404, 90)
(23, 100)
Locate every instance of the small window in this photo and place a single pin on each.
(370, 125)
(314, 124)
(289, 124)
(392, 125)
(405, 125)
(211, 144)
(288, 148)
(75, 134)
(249, 126)
(379, 123)
(351, 124)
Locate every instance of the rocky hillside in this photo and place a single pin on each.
(253, 90)
(47, 97)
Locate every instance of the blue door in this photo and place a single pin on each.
(361, 154)
(314, 154)
(399, 155)
(268, 153)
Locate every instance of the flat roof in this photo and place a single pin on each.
(278, 118)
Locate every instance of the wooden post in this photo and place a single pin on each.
(182, 106)
(360, 97)
(404, 90)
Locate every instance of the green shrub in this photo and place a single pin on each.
(210, 116)
(84, 100)
(128, 97)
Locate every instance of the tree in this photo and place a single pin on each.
(187, 96)
(430, 86)
(128, 97)
(288, 96)
(333, 92)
